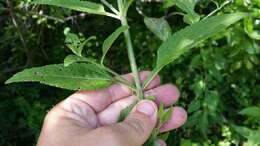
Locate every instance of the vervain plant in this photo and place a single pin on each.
(81, 73)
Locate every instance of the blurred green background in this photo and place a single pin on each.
(219, 80)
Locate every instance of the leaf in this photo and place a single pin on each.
(164, 136)
(187, 6)
(75, 43)
(185, 39)
(74, 59)
(194, 119)
(152, 98)
(124, 113)
(251, 111)
(166, 115)
(194, 106)
(251, 135)
(77, 76)
(159, 26)
(161, 111)
(78, 5)
(152, 141)
(244, 131)
(111, 39)
(249, 29)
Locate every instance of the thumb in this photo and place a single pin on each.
(139, 124)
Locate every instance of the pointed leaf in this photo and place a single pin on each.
(251, 111)
(152, 98)
(164, 136)
(244, 131)
(111, 39)
(194, 106)
(152, 141)
(75, 43)
(77, 76)
(78, 5)
(74, 59)
(124, 113)
(166, 115)
(159, 26)
(182, 41)
(187, 6)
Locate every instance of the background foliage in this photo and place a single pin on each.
(219, 80)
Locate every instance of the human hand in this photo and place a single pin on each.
(89, 118)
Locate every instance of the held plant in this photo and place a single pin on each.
(81, 73)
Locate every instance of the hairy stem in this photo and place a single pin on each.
(131, 56)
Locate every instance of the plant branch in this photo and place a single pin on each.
(131, 56)
(110, 7)
(19, 30)
(120, 78)
(218, 8)
(112, 15)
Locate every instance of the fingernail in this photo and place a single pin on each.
(146, 107)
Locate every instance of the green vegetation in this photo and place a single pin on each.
(218, 77)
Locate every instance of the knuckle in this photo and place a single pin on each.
(136, 126)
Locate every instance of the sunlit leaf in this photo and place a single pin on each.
(164, 136)
(111, 39)
(194, 106)
(252, 111)
(159, 26)
(78, 5)
(182, 41)
(124, 113)
(75, 43)
(77, 76)
(74, 59)
(187, 6)
(249, 29)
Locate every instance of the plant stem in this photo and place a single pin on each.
(218, 8)
(110, 7)
(131, 56)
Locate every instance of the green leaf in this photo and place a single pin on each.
(164, 136)
(111, 39)
(159, 26)
(74, 59)
(166, 115)
(251, 135)
(182, 41)
(152, 140)
(152, 98)
(124, 113)
(244, 131)
(249, 29)
(251, 111)
(187, 6)
(77, 76)
(75, 43)
(78, 5)
(161, 111)
(194, 106)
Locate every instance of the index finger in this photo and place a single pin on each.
(100, 99)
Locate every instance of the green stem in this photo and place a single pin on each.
(131, 56)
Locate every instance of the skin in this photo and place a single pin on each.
(88, 118)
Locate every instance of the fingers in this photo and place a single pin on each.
(161, 142)
(100, 99)
(179, 117)
(133, 131)
(167, 94)
(140, 122)
(118, 91)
